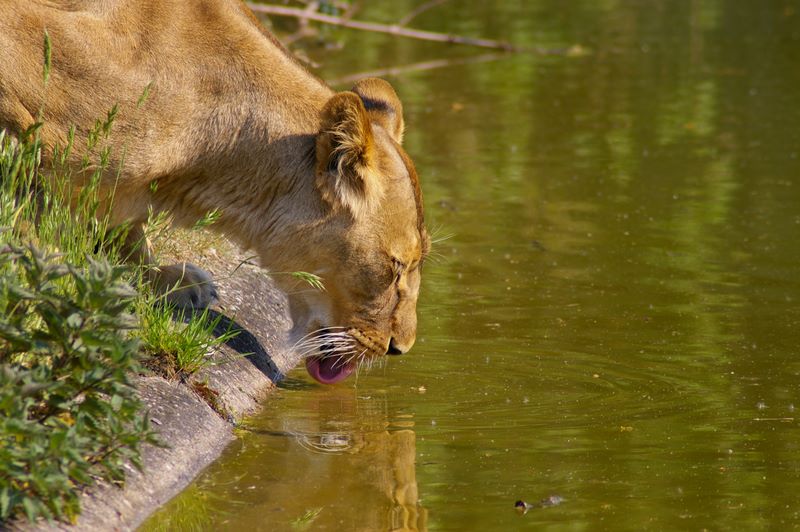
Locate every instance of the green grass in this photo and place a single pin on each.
(76, 326)
(180, 342)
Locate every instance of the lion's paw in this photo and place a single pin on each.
(186, 285)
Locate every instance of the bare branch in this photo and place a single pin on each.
(382, 28)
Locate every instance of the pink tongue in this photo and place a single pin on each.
(328, 370)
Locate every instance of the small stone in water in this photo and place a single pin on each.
(552, 500)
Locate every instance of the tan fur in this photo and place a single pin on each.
(347, 169)
(309, 179)
(382, 105)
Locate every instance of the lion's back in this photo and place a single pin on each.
(186, 55)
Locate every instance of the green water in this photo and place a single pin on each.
(615, 319)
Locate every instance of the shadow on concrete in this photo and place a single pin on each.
(243, 343)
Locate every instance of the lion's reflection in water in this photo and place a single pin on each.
(391, 459)
(377, 462)
(315, 459)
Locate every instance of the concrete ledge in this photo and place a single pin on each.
(196, 436)
(244, 372)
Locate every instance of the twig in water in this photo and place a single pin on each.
(419, 10)
(416, 67)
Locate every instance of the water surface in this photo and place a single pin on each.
(615, 318)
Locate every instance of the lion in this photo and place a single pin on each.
(214, 114)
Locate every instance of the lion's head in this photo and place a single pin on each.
(369, 244)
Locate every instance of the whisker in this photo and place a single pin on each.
(335, 350)
(442, 238)
(320, 341)
(435, 257)
(437, 235)
(340, 363)
(327, 342)
(322, 338)
(320, 330)
(356, 356)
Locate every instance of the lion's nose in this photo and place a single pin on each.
(395, 349)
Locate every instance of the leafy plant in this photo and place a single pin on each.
(68, 410)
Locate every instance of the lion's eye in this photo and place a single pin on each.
(397, 268)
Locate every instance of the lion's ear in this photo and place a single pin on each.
(383, 105)
(346, 158)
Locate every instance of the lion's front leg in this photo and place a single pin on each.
(183, 284)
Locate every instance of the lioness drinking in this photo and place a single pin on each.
(309, 179)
